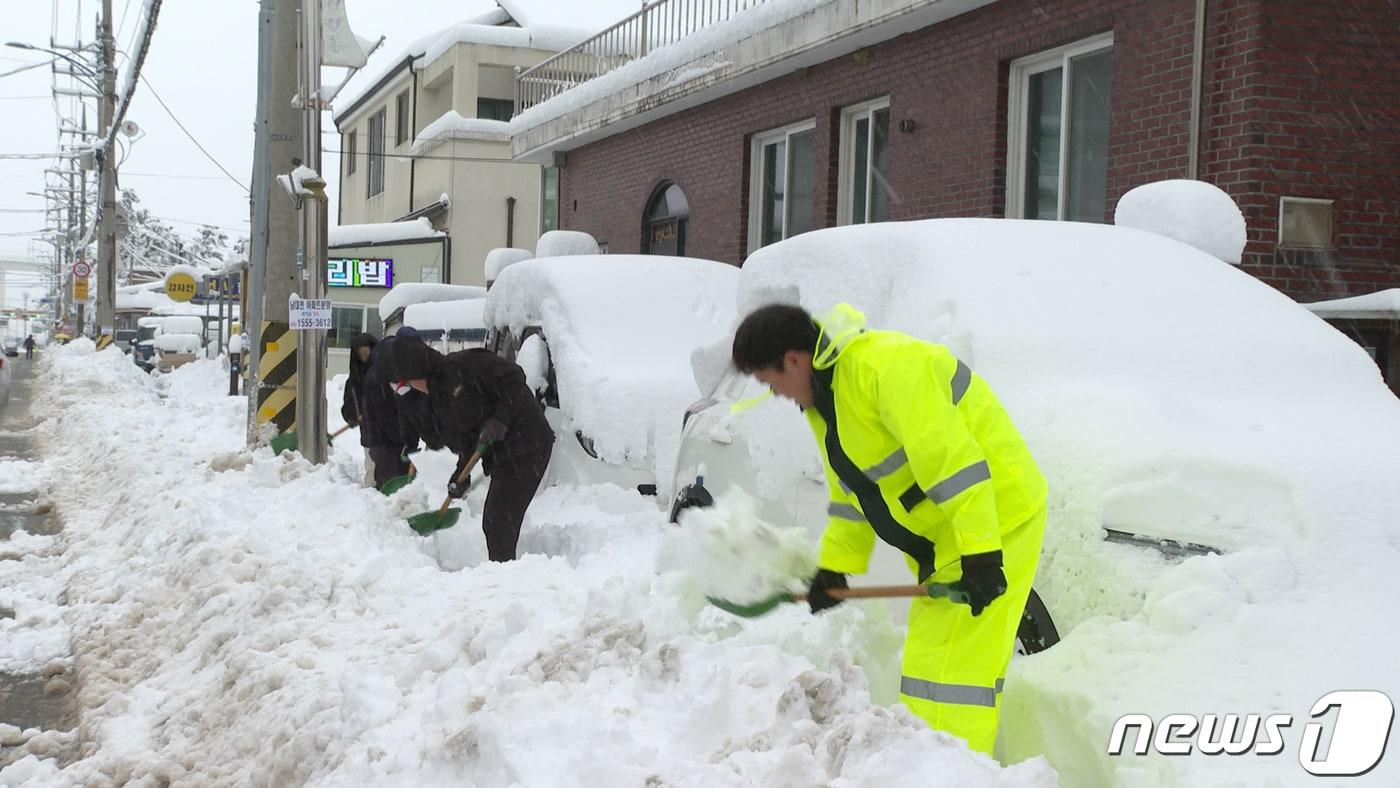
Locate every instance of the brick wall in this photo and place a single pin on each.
(1271, 124)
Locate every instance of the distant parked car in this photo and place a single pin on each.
(12, 345)
(605, 341)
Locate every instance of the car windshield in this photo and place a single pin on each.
(145, 332)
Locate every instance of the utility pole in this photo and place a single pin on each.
(107, 230)
(277, 148)
(311, 256)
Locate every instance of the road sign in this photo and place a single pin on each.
(180, 286)
(82, 270)
(308, 314)
(80, 288)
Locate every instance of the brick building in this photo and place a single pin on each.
(836, 111)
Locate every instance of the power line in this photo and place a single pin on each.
(128, 173)
(206, 153)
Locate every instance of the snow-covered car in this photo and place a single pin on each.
(143, 349)
(449, 326)
(394, 306)
(1216, 455)
(179, 341)
(12, 345)
(605, 341)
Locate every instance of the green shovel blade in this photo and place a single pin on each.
(395, 484)
(428, 522)
(287, 441)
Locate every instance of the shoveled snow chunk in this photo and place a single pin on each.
(747, 560)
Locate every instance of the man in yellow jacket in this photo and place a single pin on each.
(920, 453)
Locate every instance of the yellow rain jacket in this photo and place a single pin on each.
(920, 453)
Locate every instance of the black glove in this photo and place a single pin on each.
(455, 490)
(982, 579)
(817, 598)
(491, 432)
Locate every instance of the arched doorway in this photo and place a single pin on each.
(663, 229)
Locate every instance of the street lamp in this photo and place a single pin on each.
(87, 71)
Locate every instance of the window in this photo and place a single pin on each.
(865, 190)
(494, 109)
(350, 140)
(376, 153)
(1304, 223)
(402, 120)
(347, 320)
(781, 184)
(1057, 162)
(549, 200)
(668, 213)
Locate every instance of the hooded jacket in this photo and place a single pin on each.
(352, 404)
(468, 388)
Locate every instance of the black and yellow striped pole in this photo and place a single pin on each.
(277, 383)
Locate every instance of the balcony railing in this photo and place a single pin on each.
(656, 25)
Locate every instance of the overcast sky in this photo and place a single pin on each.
(203, 63)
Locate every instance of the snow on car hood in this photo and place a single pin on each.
(1166, 393)
(621, 329)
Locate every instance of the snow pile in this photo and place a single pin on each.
(445, 315)
(452, 126)
(409, 293)
(22, 476)
(1380, 305)
(565, 243)
(259, 620)
(533, 360)
(182, 324)
(178, 343)
(747, 560)
(1167, 395)
(620, 330)
(384, 232)
(1193, 212)
(498, 259)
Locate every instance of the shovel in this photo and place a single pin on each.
(287, 441)
(446, 515)
(953, 592)
(396, 483)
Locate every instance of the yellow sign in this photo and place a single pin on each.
(80, 288)
(180, 286)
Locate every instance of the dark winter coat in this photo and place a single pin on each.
(351, 407)
(469, 387)
(379, 416)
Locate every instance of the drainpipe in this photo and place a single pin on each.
(510, 222)
(413, 132)
(1193, 154)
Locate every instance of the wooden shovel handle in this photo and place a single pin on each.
(461, 479)
(869, 592)
(336, 434)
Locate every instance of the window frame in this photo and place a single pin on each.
(351, 140)
(497, 102)
(544, 200)
(1018, 106)
(376, 161)
(850, 115)
(756, 146)
(403, 131)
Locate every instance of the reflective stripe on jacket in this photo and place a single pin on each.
(922, 455)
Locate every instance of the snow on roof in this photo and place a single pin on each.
(660, 60)
(1381, 305)
(1162, 394)
(593, 16)
(383, 232)
(548, 36)
(1193, 212)
(401, 296)
(565, 243)
(452, 126)
(445, 315)
(620, 329)
(498, 259)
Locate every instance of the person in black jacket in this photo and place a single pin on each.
(415, 411)
(480, 402)
(387, 439)
(351, 405)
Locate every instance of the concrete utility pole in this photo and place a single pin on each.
(277, 148)
(107, 231)
(311, 344)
